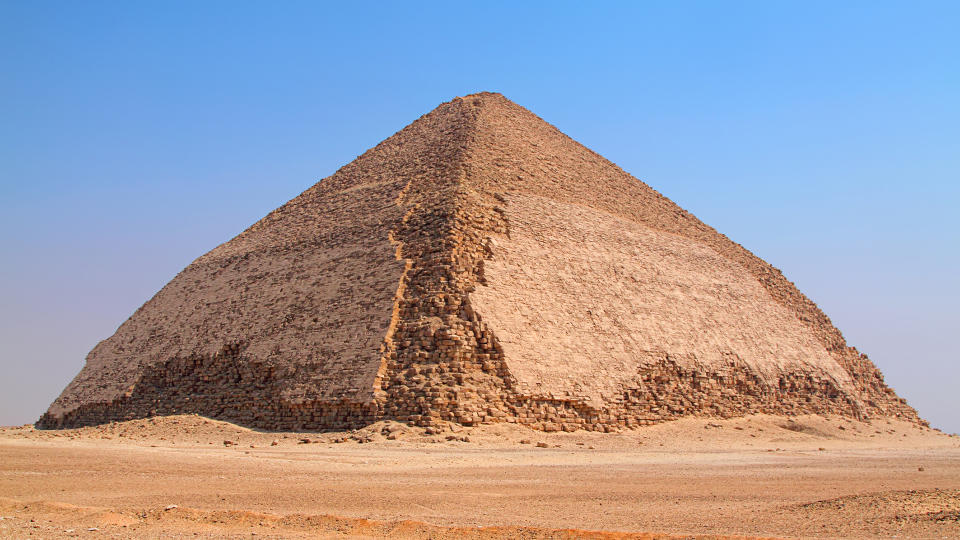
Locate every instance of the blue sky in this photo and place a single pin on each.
(823, 136)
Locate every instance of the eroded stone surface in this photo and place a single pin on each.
(478, 266)
(581, 300)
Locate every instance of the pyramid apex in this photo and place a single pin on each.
(484, 93)
(483, 96)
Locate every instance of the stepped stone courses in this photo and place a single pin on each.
(477, 266)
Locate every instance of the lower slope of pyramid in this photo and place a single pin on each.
(477, 266)
(580, 301)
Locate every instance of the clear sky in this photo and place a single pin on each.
(822, 136)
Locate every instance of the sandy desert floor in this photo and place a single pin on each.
(187, 476)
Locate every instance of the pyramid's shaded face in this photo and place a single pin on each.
(477, 266)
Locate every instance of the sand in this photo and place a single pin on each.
(760, 476)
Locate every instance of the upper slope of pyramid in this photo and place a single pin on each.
(477, 265)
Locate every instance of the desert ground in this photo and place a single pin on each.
(760, 476)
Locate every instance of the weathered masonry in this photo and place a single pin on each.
(477, 266)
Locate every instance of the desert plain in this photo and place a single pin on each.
(758, 476)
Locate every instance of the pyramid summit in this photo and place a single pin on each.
(477, 266)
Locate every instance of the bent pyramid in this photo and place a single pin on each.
(477, 266)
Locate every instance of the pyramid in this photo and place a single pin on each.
(478, 266)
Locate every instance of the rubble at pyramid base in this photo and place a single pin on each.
(232, 389)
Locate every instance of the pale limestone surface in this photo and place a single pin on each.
(579, 298)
